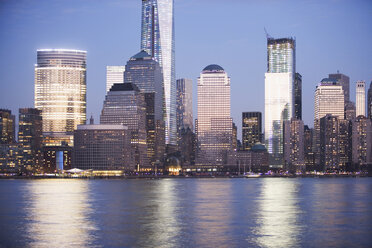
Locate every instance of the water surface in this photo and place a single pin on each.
(264, 212)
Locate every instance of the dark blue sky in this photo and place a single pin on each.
(331, 35)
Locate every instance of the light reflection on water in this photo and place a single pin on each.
(269, 212)
(278, 224)
(58, 214)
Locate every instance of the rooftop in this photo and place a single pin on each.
(141, 55)
(124, 87)
(213, 68)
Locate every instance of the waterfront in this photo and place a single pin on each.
(219, 212)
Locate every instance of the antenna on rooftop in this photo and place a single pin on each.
(267, 34)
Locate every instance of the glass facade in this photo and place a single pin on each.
(125, 105)
(103, 147)
(60, 93)
(143, 71)
(214, 118)
(361, 98)
(344, 81)
(184, 105)
(158, 39)
(30, 137)
(251, 129)
(114, 75)
(279, 94)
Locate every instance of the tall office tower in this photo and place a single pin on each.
(329, 99)
(30, 138)
(345, 144)
(369, 101)
(214, 125)
(350, 111)
(158, 39)
(234, 137)
(329, 142)
(60, 93)
(7, 127)
(103, 147)
(187, 146)
(308, 148)
(298, 96)
(143, 71)
(344, 81)
(294, 156)
(125, 105)
(279, 94)
(184, 104)
(114, 75)
(362, 141)
(361, 98)
(251, 129)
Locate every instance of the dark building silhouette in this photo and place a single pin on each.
(298, 96)
(251, 129)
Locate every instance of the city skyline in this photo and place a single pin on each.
(311, 73)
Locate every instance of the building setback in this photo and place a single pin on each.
(103, 147)
(158, 40)
(143, 71)
(60, 93)
(125, 105)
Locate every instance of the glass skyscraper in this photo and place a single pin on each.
(279, 94)
(158, 39)
(184, 104)
(114, 75)
(60, 93)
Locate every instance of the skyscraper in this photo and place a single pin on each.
(329, 142)
(158, 39)
(60, 93)
(7, 128)
(125, 105)
(143, 71)
(30, 137)
(362, 141)
(329, 99)
(344, 81)
(184, 104)
(361, 98)
(279, 94)
(369, 106)
(251, 129)
(214, 119)
(114, 75)
(298, 96)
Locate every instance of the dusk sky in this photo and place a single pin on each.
(331, 35)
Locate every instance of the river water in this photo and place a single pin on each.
(263, 212)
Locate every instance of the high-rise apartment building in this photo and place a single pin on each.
(329, 142)
(7, 127)
(361, 98)
(298, 96)
(369, 101)
(143, 71)
(103, 147)
(214, 124)
(60, 93)
(251, 129)
(114, 75)
(30, 138)
(184, 104)
(158, 40)
(308, 148)
(362, 141)
(345, 144)
(344, 81)
(294, 150)
(125, 105)
(279, 94)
